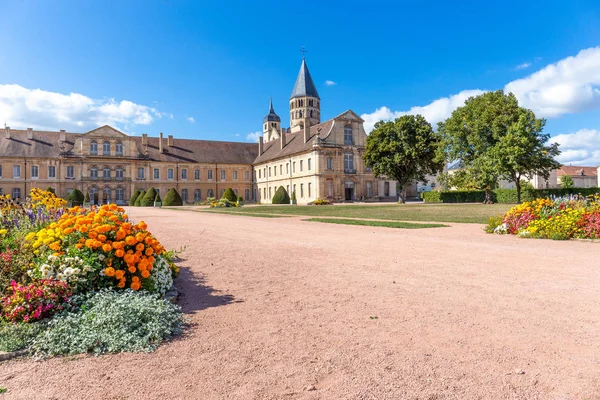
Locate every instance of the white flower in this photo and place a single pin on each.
(68, 271)
(60, 277)
(52, 258)
(101, 257)
(76, 271)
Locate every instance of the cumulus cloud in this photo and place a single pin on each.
(523, 66)
(434, 112)
(253, 137)
(571, 85)
(579, 148)
(191, 120)
(330, 83)
(35, 108)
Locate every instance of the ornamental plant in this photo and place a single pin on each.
(33, 302)
(76, 197)
(230, 195)
(148, 199)
(281, 196)
(134, 197)
(172, 198)
(138, 201)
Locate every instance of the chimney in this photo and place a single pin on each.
(283, 139)
(306, 130)
(170, 140)
(160, 143)
(29, 133)
(63, 135)
(7, 132)
(260, 145)
(144, 139)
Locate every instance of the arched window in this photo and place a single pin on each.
(106, 148)
(120, 173)
(184, 195)
(119, 148)
(300, 114)
(106, 195)
(93, 147)
(197, 195)
(93, 173)
(120, 195)
(210, 193)
(348, 135)
(311, 113)
(106, 173)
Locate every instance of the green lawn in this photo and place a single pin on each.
(363, 222)
(468, 213)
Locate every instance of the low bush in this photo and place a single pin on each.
(17, 336)
(281, 196)
(138, 201)
(134, 197)
(111, 322)
(321, 202)
(172, 198)
(76, 197)
(528, 193)
(230, 195)
(157, 198)
(148, 199)
(493, 223)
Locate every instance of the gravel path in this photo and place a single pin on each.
(286, 309)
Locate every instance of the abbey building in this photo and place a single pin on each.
(311, 158)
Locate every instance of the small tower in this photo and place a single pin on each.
(271, 124)
(305, 101)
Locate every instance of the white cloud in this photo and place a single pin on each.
(191, 120)
(434, 112)
(571, 85)
(523, 66)
(330, 83)
(253, 137)
(237, 135)
(579, 148)
(35, 108)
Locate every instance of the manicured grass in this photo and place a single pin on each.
(387, 224)
(467, 213)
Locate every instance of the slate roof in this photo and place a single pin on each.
(271, 116)
(577, 171)
(304, 84)
(294, 142)
(47, 145)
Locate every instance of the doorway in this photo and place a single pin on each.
(349, 191)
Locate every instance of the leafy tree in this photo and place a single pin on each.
(566, 181)
(496, 139)
(230, 195)
(281, 196)
(76, 197)
(134, 197)
(405, 150)
(148, 199)
(172, 198)
(138, 201)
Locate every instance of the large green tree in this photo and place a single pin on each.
(405, 150)
(495, 138)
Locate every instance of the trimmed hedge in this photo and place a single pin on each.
(157, 198)
(138, 201)
(76, 197)
(230, 195)
(172, 198)
(501, 195)
(148, 199)
(134, 197)
(281, 196)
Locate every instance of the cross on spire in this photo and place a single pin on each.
(303, 51)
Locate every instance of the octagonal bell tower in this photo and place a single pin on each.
(305, 101)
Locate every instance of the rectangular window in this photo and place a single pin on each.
(184, 195)
(308, 166)
(17, 172)
(119, 149)
(294, 167)
(235, 191)
(210, 175)
(197, 195)
(0, 171)
(184, 173)
(259, 174)
(275, 170)
(51, 171)
(246, 175)
(270, 195)
(120, 194)
(302, 190)
(287, 168)
(329, 189)
(287, 189)
(348, 136)
(222, 174)
(170, 174)
(235, 175)
(270, 174)
(369, 189)
(294, 189)
(349, 163)
(329, 164)
(106, 148)
(301, 165)
(140, 173)
(247, 194)
(156, 173)
(71, 172)
(119, 174)
(309, 190)
(16, 193)
(35, 172)
(197, 174)
(265, 193)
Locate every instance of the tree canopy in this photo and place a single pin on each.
(405, 150)
(495, 138)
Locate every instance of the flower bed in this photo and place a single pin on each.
(561, 218)
(55, 262)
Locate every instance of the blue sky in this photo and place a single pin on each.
(206, 70)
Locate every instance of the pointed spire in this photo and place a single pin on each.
(304, 84)
(271, 116)
(271, 110)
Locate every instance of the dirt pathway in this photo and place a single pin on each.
(285, 309)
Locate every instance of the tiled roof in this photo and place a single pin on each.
(43, 145)
(304, 84)
(574, 170)
(294, 142)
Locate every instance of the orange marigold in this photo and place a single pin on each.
(121, 283)
(132, 269)
(119, 274)
(140, 247)
(135, 285)
(130, 240)
(120, 253)
(106, 247)
(110, 271)
(149, 251)
(145, 274)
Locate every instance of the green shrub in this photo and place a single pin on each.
(240, 199)
(432, 197)
(321, 202)
(17, 336)
(506, 195)
(172, 198)
(157, 198)
(230, 195)
(134, 197)
(111, 322)
(51, 190)
(87, 198)
(293, 198)
(281, 196)
(138, 201)
(148, 199)
(76, 197)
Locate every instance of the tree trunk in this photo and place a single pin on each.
(518, 185)
(401, 194)
(488, 196)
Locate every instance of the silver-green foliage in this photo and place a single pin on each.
(17, 336)
(111, 322)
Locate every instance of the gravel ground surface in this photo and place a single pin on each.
(286, 309)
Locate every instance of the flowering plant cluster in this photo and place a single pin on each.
(33, 302)
(559, 218)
